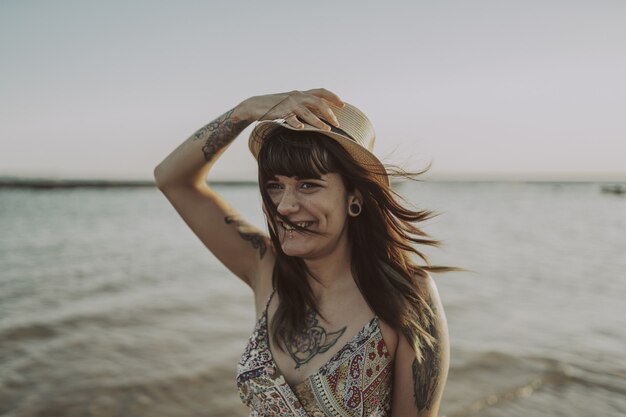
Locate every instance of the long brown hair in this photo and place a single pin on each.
(382, 239)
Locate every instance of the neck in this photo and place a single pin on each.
(333, 271)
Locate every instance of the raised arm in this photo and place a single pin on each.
(190, 162)
(418, 387)
(181, 176)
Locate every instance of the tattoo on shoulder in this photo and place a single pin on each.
(427, 374)
(249, 233)
(219, 133)
(312, 340)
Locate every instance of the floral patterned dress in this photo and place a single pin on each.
(356, 381)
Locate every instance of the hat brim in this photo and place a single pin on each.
(361, 155)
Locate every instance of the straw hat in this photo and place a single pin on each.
(355, 134)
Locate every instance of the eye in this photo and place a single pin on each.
(308, 185)
(271, 186)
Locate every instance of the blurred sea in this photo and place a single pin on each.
(110, 306)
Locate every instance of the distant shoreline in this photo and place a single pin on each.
(38, 183)
(43, 184)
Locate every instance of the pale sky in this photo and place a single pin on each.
(515, 89)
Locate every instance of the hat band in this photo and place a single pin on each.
(337, 130)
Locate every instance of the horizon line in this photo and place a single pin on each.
(10, 181)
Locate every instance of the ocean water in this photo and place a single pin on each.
(110, 306)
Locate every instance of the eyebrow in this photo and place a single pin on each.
(297, 178)
(275, 177)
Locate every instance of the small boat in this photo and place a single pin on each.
(614, 189)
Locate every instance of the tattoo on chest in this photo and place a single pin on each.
(313, 340)
(219, 133)
(249, 233)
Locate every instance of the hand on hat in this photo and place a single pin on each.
(295, 107)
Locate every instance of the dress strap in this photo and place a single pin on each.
(267, 304)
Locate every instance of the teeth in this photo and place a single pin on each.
(303, 225)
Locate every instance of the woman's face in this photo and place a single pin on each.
(316, 204)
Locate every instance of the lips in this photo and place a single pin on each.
(304, 225)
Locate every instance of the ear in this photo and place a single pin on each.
(355, 196)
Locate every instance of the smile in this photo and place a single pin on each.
(304, 225)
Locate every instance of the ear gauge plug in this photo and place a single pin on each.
(354, 209)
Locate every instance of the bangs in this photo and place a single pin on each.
(295, 154)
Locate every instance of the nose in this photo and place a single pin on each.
(288, 203)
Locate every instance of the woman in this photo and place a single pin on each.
(347, 323)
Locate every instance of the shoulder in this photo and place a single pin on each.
(431, 293)
(427, 286)
(428, 290)
(439, 325)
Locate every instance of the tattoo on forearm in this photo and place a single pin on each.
(249, 233)
(427, 374)
(219, 133)
(313, 340)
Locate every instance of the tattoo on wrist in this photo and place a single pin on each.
(249, 233)
(312, 340)
(219, 133)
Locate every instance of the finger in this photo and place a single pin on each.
(321, 108)
(309, 117)
(327, 95)
(293, 121)
(326, 113)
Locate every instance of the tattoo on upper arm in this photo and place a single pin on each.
(249, 233)
(427, 374)
(313, 340)
(219, 133)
